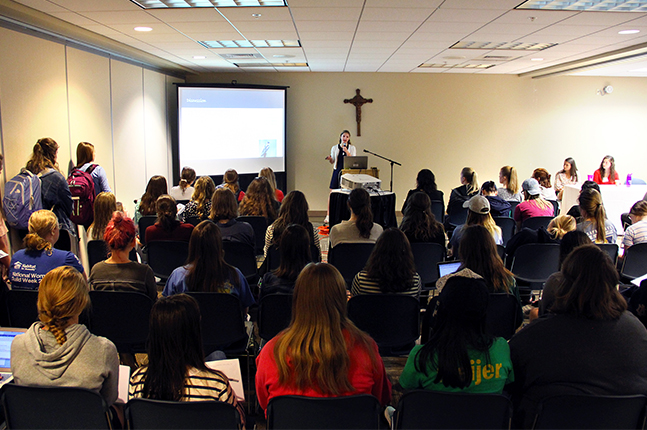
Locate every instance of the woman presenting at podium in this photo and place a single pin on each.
(337, 153)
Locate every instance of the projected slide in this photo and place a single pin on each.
(224, 128)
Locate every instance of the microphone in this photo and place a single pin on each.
(365, 150)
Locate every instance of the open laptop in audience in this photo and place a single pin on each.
(6, 337)
(447, 267)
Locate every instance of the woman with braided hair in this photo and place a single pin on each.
(29, 265)
(57, 350)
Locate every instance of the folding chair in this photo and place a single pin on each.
(533, 263)
(350, 258)
(274, 314)
(241, 256)
(425, 256)
(503, 316)
(21, 307)
(160, 414)
(634, 262)
(507, 226)
(536, 222)
(164, 256)
(259, 224)
(145, 222)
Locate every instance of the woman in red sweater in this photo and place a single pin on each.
(321, 353)
(606, 174)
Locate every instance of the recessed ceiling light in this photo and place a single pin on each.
(536, 59)
(587, 5)
(199, 57)
(282, 56)
(629, 32)
(513, 46)
(143, 29)
(162, 4)
(256, 15)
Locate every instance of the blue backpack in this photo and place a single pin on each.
(22, 198)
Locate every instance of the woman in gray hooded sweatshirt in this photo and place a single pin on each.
(58, 351)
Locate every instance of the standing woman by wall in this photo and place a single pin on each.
(184, 190)
(84, 162)
(55, 192)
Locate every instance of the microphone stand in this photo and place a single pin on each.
(390, 161)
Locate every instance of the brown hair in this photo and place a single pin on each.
(155, 188)
(592, 210)
(186, 177)
(258, 199)
(41, 224)
(84, 153)
(166, 212)
(223, 205)
(639, 208)
(477, 252)
(589, 286)
(104, 205)
(43, 156)
(312, 351)
(62, 294)
(268, 174)
(294, 210)
(230, 180)
(542, 176)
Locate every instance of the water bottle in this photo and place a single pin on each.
(629, 179)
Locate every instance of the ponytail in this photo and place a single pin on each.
(359, 202)
(472, 182)
(591, 204)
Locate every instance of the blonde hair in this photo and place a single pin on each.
(41, 224)
(204, 189)
(63, 294)
(484, 220)
(312, 351)
(268, 174)
(538, 200)
(472, 182)
(560, 225)
(510, 173)
(104, 205)
(592, 210)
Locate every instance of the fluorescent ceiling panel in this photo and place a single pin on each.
(587, 5)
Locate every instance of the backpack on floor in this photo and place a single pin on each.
(82, 189)
(22, 198)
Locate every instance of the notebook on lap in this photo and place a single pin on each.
(6, 337)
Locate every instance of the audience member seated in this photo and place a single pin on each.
(606, 174)
(498, 206)
(230, 181)
(294, 210)
(167, 227)
(294, 248)
(478, 214)
(533, 205)
(184, 190)
(419, 224)
(574, 211)
(200, 204)
(425, 183)
(260, 200)
(510, 189)
(118, 273)
(321, 353)
(57, 350)
(557, 228)
(224, 210)
(469, 187)
(268, 174)
(566, 176)
(105, 204)
(146, 205)
(594, 220)
(591, 345)
(460, 356)
(206, 270)
(30, 264)
(176, 370)
(390, 268)
(360, 227)
(637, 231)
(543, 177)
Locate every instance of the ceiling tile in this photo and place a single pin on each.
(322, 13)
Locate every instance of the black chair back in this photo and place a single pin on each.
(392, 320)
(222, 322)
(259, 224)
(500, 250)
(555, 204)
(193, 220)
(637, 303)
(536, 222)
(164, 256)
(535, 262)
(438, 209)
(64, 241)
(612, 250)
(457, 217)
(634, 263)
(349, 412)
(274, 314)
(97, 251)
(582, 411)
(160, 414)
(507, 226)
(241, 256)
(423, 409)
(513, 206)
(122, 317)
(145, 222)
(350, 258)
(273, 256)
(21, 307)
(53, 408)
(503, 315)
(426, 255)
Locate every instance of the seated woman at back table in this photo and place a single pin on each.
(360, 227)
(533, 205)
(419, 224)
(390, 268)
(224, 210)
(167, 227)
(566, 176)
(606, 174)
(30, 264)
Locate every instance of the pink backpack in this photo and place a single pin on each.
(82, 188)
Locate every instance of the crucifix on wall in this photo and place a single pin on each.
(358, 101)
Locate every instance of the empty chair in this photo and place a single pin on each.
(503, 315)
(392, 320)
(457, 217)
(143, 223)
(535, 262)
(274, 314)
(536, 222)
(426, 256)
(241, 256)
(273, 257)
(423, 409)
(438, 209)
(53, 408)
(507, 226)
(164, 256)
(612, 250)
(21, 307)
(634, 263)
(259, 224)
(122, 317)
(582, 411)
(350, 258)
(160, 414)
(350, 412)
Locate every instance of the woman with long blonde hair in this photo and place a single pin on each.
(510, 189)
(533, 205)
(268, 174)
(321, 353)
(478, 214)
(200, 204)
(105, 204)
(594, 219)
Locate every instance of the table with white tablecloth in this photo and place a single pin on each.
(617, 199)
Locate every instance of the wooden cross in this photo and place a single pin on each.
(358, 101)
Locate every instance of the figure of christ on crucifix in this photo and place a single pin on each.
(358, 101)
